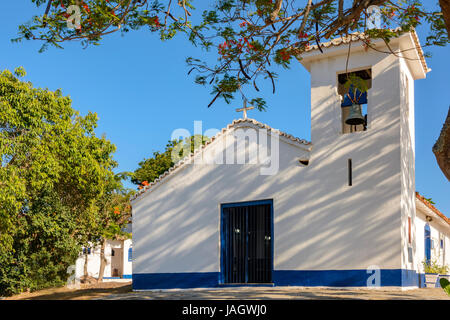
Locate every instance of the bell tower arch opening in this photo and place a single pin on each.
(353, 99)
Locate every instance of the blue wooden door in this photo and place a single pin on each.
(427, 243)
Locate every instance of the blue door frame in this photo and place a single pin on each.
(222, 233)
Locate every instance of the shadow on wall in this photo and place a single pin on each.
(320, 222)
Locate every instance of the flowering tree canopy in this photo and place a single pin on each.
(249, 36)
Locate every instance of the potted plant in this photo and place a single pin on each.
(432, 271)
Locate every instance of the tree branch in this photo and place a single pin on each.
(276, 11)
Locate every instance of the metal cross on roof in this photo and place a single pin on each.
(245, 108)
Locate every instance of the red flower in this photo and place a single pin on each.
(86, 8)
(156, 21)
(285, 55)
(243, 24)
(302, 35)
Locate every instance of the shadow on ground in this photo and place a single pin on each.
(284, 293)
(123, 291)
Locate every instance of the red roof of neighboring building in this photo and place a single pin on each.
(433, 208)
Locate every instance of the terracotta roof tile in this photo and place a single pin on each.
(433, 208)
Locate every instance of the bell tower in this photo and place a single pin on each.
(363, 144)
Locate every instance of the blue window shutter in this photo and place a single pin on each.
(427, 233)
(130, 254)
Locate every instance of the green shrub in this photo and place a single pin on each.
(445, 284)
(434, 267)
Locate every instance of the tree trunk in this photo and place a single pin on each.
(441, 149)
(102, 261)
(445, 7)
(86, 265)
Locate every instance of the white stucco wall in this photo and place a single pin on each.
(371, 206)
(127, 265)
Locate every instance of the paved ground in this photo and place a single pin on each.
(122, 291)
(285, 293)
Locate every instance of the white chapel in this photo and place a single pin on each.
(257, 206)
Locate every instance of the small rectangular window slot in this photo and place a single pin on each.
(304, 162)
(349, 172)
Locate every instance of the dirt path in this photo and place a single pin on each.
(86, 292)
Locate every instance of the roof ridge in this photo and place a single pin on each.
(356, 36)
(187, 158)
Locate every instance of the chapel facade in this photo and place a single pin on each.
(337, 211)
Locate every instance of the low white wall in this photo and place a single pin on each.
(94, 260)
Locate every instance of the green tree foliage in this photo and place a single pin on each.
(53, 170)
(248, 37)
(114, 213)
(151, 168)
(445, 285)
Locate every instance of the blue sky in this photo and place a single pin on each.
(140, 90)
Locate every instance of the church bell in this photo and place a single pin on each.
(355, 116)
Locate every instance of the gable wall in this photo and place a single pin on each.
(182, 235)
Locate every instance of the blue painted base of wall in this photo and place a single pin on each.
(234, 285)
(345, 278)
(410, 278)
(125, 276)
(147, 281)
(306, 278)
